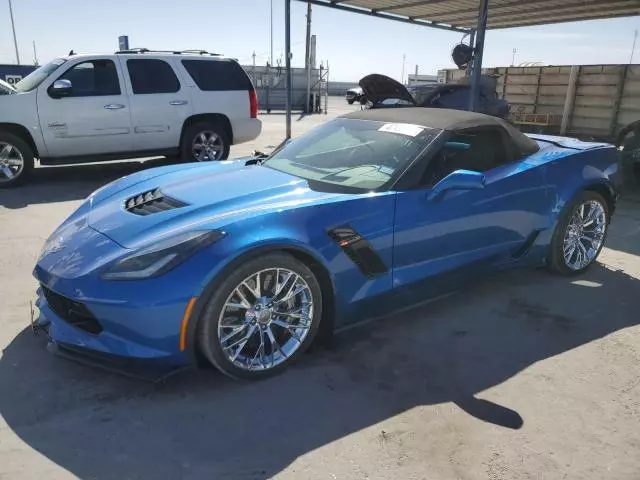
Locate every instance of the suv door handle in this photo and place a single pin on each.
(114, 106)
(178, 102)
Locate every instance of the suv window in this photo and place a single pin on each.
(486, 151)
(152, 76)
(93, 78)
(217, 75)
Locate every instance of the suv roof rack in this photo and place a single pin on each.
(174, 52)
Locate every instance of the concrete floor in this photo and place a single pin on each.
(524, 376)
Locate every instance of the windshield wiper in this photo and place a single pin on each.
(258, 158)
(261, 157)
(337, 174)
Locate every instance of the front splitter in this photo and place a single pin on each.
(145, 370)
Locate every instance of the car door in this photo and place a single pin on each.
(92, 117)
(159, 102)
(468, 229)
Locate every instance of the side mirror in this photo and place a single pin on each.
(61, 88)
(458, 180)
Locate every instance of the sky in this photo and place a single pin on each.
(353, 45)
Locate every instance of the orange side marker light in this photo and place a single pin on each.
(185, 323)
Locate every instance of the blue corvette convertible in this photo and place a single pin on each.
(243, 263)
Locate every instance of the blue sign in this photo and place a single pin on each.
(12, 74)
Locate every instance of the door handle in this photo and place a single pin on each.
(178, 102)
(57, 125)
(114, 106)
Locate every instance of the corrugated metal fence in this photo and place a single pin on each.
(270, 84)
(583, 100)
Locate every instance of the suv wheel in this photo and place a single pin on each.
(16, 160)
(204, 142)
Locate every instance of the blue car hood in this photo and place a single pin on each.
(215, 195)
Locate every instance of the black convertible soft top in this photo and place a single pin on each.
(445, 119)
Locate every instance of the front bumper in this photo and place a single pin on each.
(147, 370)
(113, 335)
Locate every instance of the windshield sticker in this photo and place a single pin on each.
(402, 129)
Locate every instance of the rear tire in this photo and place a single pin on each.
(257, 302)
(580, 234)
(16, 160)
(350, 102)
(204, 141)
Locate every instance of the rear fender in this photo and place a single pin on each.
(596, 169)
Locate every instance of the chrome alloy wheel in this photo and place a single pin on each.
(207, 145)
(11, 162)
(265, 319)
(584, 235)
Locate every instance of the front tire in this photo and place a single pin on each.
(204, 141)
(262, 317)
(580, 234)
(16, 160)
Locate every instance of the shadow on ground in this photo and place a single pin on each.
(74, 182)
(624, 234)
(201, 425)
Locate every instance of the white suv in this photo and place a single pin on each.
(136, 103)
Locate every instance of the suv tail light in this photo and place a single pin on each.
(253, 103)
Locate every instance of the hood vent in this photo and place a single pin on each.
(153, 201)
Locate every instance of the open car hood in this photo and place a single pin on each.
(379, 87)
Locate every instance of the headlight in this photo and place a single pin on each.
(161, 257)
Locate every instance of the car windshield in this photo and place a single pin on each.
(358, 154)
(38, 76)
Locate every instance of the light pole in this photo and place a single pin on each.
(513, 57)
(13, 27)
(271, 12)
(633, 46)
(287, 49)
(404, 57)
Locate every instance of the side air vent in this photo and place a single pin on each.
(359, 250)
(153, 201)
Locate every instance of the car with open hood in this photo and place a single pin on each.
(353, 95)
(385, 92)
(245, 263)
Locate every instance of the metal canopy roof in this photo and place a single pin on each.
(461, 15)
